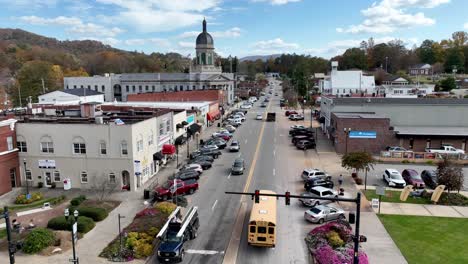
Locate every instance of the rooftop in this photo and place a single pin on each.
(359, 115)
(401, 101)
(81, 92)
(172, 105)
(431, 131)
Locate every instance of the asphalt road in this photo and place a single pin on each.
(374, 177)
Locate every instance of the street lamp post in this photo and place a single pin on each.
(346, 131)
(386, 64)
(120, 235)
(26, 178)
(303, 107)
(74, 232)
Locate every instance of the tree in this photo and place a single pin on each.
(102, 186)
(455, 59)
(426, 53)
(354, 58)
(447, 84)
(358, 161)
(450, 175)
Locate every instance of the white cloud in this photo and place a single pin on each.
(465, 26)
(160, 42)
(229, 33)
(189, 34)
(29, 4)
(390, 15)
(60, 20)
(185, 44)
(277, 2)
(274, 46)
(161, 15)
(95, 30)
(135, 42)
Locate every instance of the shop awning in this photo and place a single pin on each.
(184, 123)
(193, 128)
(168, 149)
(180, 140)
(158, 156)
(215, 114)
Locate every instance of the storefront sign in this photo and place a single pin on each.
(46, 164)
(137, 167)
(190, 119)
(362, 134)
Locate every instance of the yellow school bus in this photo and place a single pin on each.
(262, 223)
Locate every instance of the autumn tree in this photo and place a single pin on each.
(358, 161)
(450, 175)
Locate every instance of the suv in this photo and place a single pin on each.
(318, 182)
(290, 112)
(318, 192)
(305, 144)
(205, 152)
(393, 178)
(311, 173)
(185, 175)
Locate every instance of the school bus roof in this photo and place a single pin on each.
(265, 210)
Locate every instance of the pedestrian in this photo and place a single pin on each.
(340, 180)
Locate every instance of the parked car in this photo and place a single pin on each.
(276, 94)
(230, 128)
(259, 117)
(396, 149)
(205, 164)
(311, 173)
(322, 213)
(235, 146)
(185, 175)
(209, 146)
(222, 132)
(298, 138)
(193, 166)
(412, 177)
(241, 117)
(393, 178)
(204, 157)
(219, 142)
(235, 123)
(297, 127)
(300, 131)
(445, 150)
(166, 190)
(223, 136)
(263, 104)
(246, 106)
(305, 144)
(318, 191)
(290, 112)
(318, 182)
(296, 117)
(206, 152)
(430, 178)
(238, 166)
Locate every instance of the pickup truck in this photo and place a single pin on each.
(271, 117)
(166, 190)
(445, 150)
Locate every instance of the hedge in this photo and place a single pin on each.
(37, 240)
(85, 224)
(78, 200)
(97, 214)
(165, 207)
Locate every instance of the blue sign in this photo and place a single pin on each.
(362, 134)
(190, 119)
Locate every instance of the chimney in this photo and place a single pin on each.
(334, 65)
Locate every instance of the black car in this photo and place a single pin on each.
(298, 138)
(301, 131)
(430, 178)
(205, 164)
(314, 182)
(185, 175)
(305, 144)
(263, 104)
(219, 142)
(205, 152)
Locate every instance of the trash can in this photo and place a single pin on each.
(201, 142)
(219, 124)
(146, 194)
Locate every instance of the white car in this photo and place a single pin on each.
(192, 166)
(311, 173)
(212, 146)
(393, 178)
(259, 117)
(221, 133)
(246, 106)
(230, 128)
(318, 191)
(241, 117)
(240, 113)
(235, 146)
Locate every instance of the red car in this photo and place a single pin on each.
(290, 112)
(223, 136)
(166, 190)
(412, 177)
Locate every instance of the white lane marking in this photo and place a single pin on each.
(274, 152)
(274, 171)
(275, 139)
(203, 252)
(246, 141)
(229, 176)
(212, 207)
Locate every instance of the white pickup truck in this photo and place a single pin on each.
(445, 150)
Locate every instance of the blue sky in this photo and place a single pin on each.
(239, 27)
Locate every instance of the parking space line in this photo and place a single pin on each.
(246, 141)
(212, 207)
(274, 172)
(229, 176)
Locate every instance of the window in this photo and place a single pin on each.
(271, 230)
(10, 143)
(161, 129)
(127, 88)
(150, 138)
(95, 87)
(111, 177)
(28, 175)
(79, 148)
(252, 229)
(47, 145)
(103, 148)
(146, 88)
(57, 176)
(81, 86)
(74, 86)
(124, 148)
(84, 177)
(140, 88)
(261, 230)
(133, 88)
(102, 88)
(140, 145)
(89, 87)
(168, 126)
(153, 88)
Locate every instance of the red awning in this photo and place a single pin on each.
(215, 114)
(168, 149)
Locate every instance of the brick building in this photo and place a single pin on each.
(9, 165)
(369, 124)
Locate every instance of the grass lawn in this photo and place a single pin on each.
(3, 233)
(425, 239)
(394, 197)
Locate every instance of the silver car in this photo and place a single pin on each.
(318, 191)
(322, 213)
(235, 146)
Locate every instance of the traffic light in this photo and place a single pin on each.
(287, 198)
(257, 196)
(352, 218)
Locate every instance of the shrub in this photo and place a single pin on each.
(141, 243)
(21, 199)
(97, 214)
(405, 161)
(85, 224)
(165, 207)
(334, 239)
(146, 212)
(59, 199)
(37, 240)
(40, 184)
(358, 180)
(77, 200)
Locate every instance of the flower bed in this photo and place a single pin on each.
(332, 243)
(35, 196)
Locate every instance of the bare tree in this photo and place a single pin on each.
(102, 186)
(450, 175)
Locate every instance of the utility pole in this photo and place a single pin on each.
(43, 86)
(11, 245)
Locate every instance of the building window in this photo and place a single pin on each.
(103, 148)
(127, 88)
(153, 88)
(140, 88)
(84, 177)
(95, 87)
(10, 143)
(28, 175)
(140, 143)
(146, 88)
(57, 176)
(161, 129)
(79, 148)
(150, 139)
(89, 87)
(21, 145)
(133, 88)
(111, 177)
(124, 148)
(74, 86)
(81, 86)
(168, 126)
(47, 145)
(102, 88)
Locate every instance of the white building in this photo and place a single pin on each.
(204, 74)
(72, 96)
(346, 83)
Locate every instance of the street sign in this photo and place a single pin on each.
(362, 134)
(375, 203)
(380, 190)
